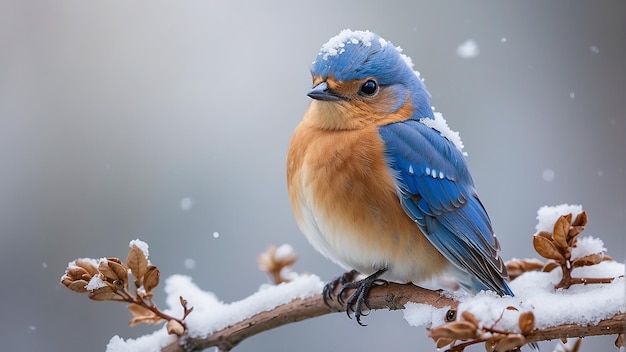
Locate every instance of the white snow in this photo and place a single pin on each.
(190, 263)
(336, 45)
(148, 343)
(92, 261)
(284, 251)
(418, 314)
(534, 291)
(594, 49)
(547, 215)
(186, 203)
(586, 246)
(141, 245)
(440, 124)
(548, 175)
(210, 314)
(467, 49)
(216, 234)
(95, 283)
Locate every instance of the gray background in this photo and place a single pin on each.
(112, 112)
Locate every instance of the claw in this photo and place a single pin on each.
(330, 287)
(358, 298)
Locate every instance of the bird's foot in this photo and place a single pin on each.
(330, 287)
(358, 298)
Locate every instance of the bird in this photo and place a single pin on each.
(377, 181)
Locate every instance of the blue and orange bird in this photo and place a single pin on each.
(376, 182)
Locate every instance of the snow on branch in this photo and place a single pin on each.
(547, 304)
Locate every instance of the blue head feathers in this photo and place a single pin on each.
(355, 55)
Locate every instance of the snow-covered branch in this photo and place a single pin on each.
(393, 296)
(579, 291)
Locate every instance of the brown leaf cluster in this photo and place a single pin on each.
(557, 248)
(468, 331)
(110, 281)
(558, 245)
(78, 274)
(276, 266)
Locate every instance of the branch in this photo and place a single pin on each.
(392, 296)
(612, 326)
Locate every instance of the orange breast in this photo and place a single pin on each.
(345, 201)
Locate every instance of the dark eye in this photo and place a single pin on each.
(369, 87)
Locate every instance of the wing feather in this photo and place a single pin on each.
(437, 192)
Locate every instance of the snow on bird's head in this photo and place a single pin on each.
(358, 54)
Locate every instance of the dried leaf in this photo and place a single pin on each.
(619, 341)
(174, 327)
(78, 286)
(546, 248)
(581, 219)
(510, 342)
(561, 230)
(511, 308)
(115, 260)
(572, 241)
(142, 315)
(107, 271)
(120, 270)
(461, 330)
(490, 345)
(545, 234)
(87, 265)
(105, 293)
(567, 217)
(520, 266)
(151, 278)
(444, 341)
(591, 259)
(137, 262)
(532, 265)
(526, 322)
(573, 232)
(577, 344)
(550, 266)
(471, 318)
(77, 273)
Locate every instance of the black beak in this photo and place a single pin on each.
(322, 92)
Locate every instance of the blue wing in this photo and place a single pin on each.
(437, 192)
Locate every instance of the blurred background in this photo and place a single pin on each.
(169, 121)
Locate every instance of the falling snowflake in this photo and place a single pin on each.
(468, 49)
(548, 175)
(186, 203)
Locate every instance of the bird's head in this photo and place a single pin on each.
(360, 79)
